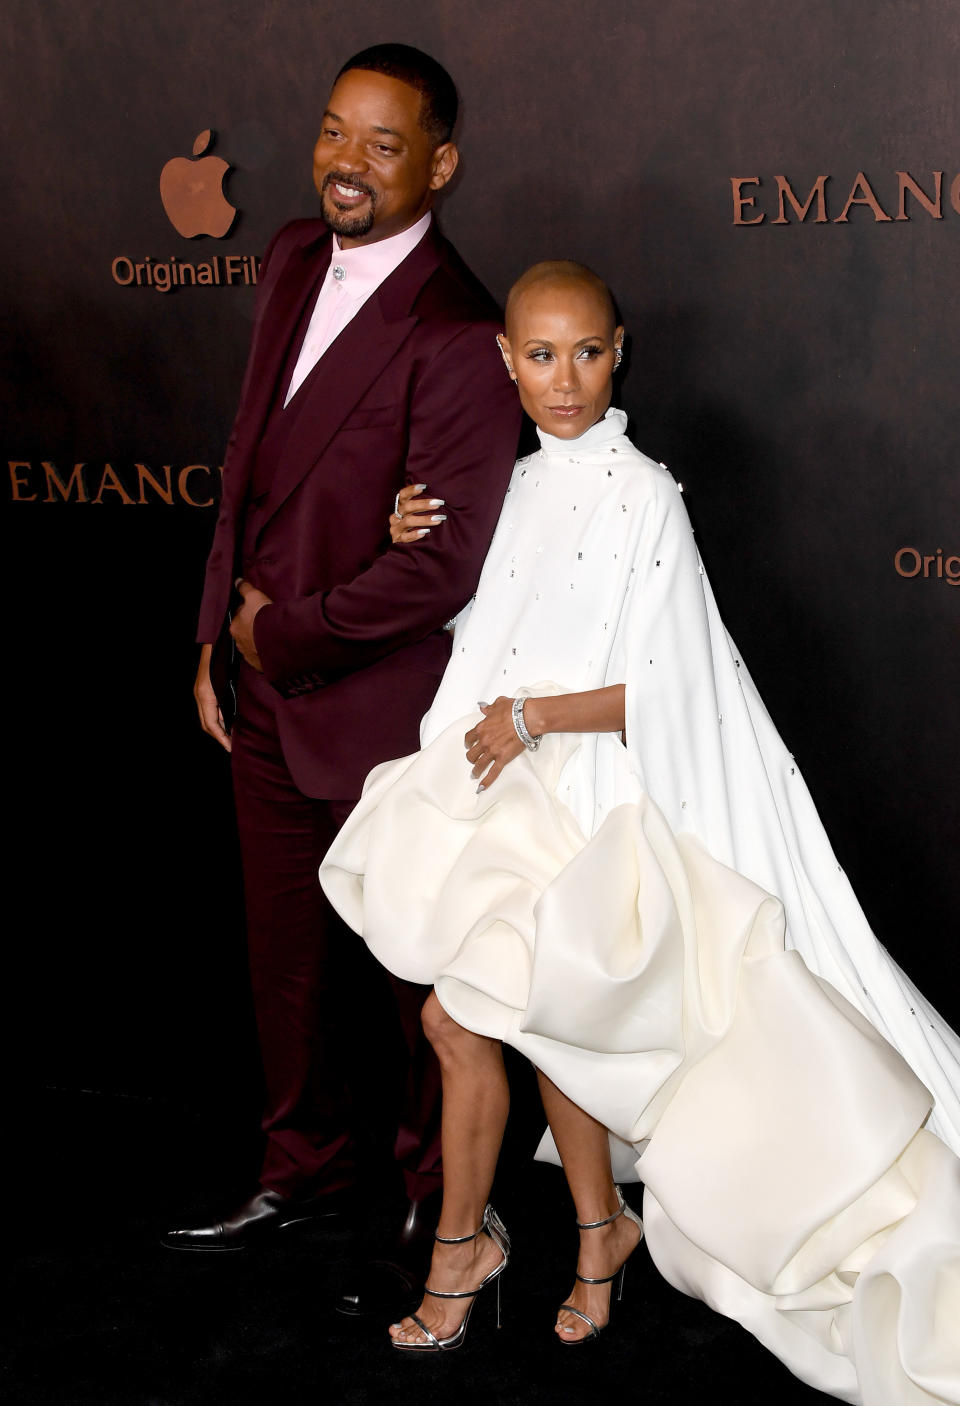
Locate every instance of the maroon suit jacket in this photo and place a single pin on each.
(412, 391)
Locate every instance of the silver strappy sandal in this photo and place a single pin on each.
(494, 1227)
(624, 1210)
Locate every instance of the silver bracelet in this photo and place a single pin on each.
(531, 743)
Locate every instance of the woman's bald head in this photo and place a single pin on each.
(562, 346)
(555, 278)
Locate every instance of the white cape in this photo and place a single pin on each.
(633, 951)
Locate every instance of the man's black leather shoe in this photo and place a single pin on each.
(256, 1220)
(391, 1285)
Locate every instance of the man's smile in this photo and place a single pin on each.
(346, 194)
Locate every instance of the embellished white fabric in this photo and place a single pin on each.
(606, 909)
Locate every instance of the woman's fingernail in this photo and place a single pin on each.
(483, 705)
(419, 487)
(437, 502)
(480, 788)
(439, 517)
(422, 532)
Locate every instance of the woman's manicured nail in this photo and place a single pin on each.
(480, 788)
(483, 705)
(419, 487)
(437, 502)
(439, 517)
(422, 531)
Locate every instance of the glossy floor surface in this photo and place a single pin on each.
(103, 1316)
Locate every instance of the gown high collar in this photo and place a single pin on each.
(599, 438)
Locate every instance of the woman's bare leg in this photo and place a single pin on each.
(584, 1150)
(476, 1099)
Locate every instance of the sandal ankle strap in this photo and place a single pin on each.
(456, 1239)
(490, 1219)
(596, 1224)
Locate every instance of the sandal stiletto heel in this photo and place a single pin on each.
(492, 1226)
(618, 1274)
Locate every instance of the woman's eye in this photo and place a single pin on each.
(588, 353)
(538, 354)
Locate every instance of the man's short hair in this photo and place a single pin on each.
(438, 95)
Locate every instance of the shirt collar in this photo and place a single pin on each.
(365, 266)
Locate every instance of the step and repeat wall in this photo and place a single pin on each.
(774, 197)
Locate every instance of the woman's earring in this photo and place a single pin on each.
(510, 371)
(618, 358)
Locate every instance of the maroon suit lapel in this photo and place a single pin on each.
(297, 281)
(350, 366)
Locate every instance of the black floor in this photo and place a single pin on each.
(101, 1315)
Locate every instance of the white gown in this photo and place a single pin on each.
(607, 910)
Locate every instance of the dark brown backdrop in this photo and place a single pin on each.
(800, 379)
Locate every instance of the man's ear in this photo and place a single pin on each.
(446, 158)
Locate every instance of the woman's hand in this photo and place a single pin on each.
(493, 743)
(414, 516)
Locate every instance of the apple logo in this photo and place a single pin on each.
(191, 188)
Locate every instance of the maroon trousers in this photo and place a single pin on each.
(345, 1060)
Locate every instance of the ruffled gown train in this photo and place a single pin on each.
(632, 950)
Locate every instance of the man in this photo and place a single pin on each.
(373, 364)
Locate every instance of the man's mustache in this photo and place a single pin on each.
(350, 181)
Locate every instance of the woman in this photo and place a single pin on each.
(604, 906)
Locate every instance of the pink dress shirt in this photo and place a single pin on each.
(354, 274)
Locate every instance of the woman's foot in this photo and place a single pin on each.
(602, 1252)
(453, 1268)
